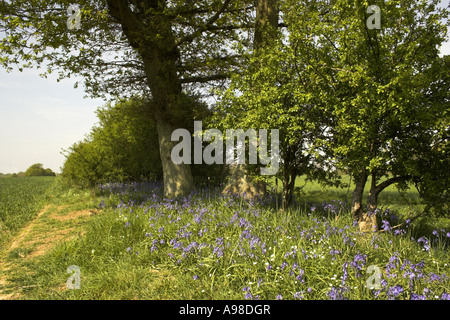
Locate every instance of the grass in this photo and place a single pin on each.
(20, 200)
(143, 246)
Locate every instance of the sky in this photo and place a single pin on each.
(39, 117)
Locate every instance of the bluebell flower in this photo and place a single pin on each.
(415, 296)
(394, 291)
(345, 275)
(259, 282)
(335, 294)
(426, 246)
(445, 296)
(385, 225)
(298, 295)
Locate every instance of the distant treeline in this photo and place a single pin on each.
(12, 175)
(34, 170)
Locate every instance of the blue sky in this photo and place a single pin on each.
(39, 117)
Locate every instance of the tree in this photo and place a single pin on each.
(274, 92)
(37, 169)
(268, 95)
(123, 146)
(124, 47)
(265, 33)
(373, 86)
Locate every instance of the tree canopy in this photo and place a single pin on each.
(370, 102)
(37, 169)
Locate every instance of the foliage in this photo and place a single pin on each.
(123, 146)
(350, 97)
(375, 84)
(110, 64)
(157, 49)
(37, 169)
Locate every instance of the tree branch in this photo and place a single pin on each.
(205, 27)
(203, 79)
(390, 181)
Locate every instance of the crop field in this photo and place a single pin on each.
(20, 200)
(141, 245)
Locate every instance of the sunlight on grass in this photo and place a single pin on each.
(144, 246)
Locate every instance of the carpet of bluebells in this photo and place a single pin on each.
(225, 247)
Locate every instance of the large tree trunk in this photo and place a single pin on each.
(288, 188)
(266, 22)
(357, 194)
(357, 208)
(155, 42)
(170, 114)
(178, 179)
(368, 220)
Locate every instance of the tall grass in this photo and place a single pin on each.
(20, 200)
(205, 246)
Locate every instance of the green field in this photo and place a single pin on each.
(20, 200)
(136, 244)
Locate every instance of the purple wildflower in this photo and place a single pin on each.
(259, 282)
(426, 246)
(445, 296)
(298, 295)
(394, 291)
(335, 294)
(415, 296)
(345, 275)
(358, 262)
(385, 225)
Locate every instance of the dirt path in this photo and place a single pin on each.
(52, 225)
